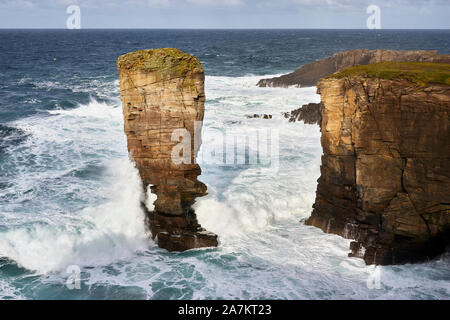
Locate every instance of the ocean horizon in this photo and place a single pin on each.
(70, 195)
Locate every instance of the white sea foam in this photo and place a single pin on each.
(76, 198)
(99, 86)
(150, 198)
(255, 196)
(97, 235)
(67, 142)
(7, 291)
(94, 109)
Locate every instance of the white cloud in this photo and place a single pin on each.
(330, 4)
(144, 3)
(16, 4)
(362, 3)
(218, 3)
(117, 3)
(333, 5)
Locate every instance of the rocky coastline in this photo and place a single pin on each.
(385, 173)
(310, 113)
(309, 74)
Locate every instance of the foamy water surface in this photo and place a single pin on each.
(73, 198)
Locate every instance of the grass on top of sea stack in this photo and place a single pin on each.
(169, 61)
(421, 73)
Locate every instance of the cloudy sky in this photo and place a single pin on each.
(395, 14)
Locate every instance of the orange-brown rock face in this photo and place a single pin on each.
(162, 93)
(309, 74)
(385, 174)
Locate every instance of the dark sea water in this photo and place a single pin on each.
(69, 195)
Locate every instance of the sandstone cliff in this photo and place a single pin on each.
(385, 174)
(309, 74)
(162, 90)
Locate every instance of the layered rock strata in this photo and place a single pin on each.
(309, 74)
(162, 93)
(385, 174)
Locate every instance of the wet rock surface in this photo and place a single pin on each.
(385, 173)
(259, 116)
(162, 91)
(309, 113)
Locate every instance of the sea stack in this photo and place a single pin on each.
(385, 174)
(163, 96)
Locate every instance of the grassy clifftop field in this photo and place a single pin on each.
(422, 73)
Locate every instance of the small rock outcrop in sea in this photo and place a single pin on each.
(385, 174)
(162, 92)
(309, 74)
(257, 116)
(309, 113)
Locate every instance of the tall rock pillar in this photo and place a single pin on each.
(163, 96)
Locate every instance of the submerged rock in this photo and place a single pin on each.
(162, 93)
(385, 173)
(262, 116)
(308, 113)
(309, 74)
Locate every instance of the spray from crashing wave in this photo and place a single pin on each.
(53, 237)
(251, 198)
(70, 195)
(92, 237)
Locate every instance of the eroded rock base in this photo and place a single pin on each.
(309, 113)
(179, 233)
(385, 173)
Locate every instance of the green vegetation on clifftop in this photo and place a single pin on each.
(169, 62)
(421, 73)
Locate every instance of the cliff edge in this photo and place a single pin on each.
(309, 74)
(385, 173)
(162, 93)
